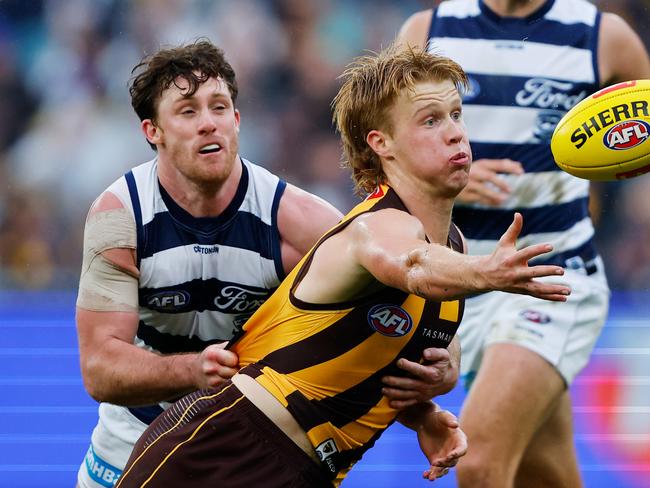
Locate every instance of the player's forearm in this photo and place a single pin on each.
(438, 273)
(124, 374)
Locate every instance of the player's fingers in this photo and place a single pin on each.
(435, 472)
(488, 196)
(475, 192)
(401, 384)
(224, 357)
(496, 180)
(550, 297)
(402, 404)
(551, 294)
(400, 393)
(509, 237)
(433, 354)
(533, 251)
(549, 288)
(430, 373)
(503, 166)
(544, 270)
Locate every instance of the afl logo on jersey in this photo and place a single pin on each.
(626, 135)
(390, 320)
(168, 301)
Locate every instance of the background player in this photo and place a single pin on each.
(528, 61)
(182, 250)
(382, 284)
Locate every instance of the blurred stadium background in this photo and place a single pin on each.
(67, 131)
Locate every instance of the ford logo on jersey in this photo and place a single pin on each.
(390, 320)
(626, 135)
(168, 301)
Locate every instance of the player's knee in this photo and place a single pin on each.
(482, 471)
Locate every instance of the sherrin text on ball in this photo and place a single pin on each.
(607, 135)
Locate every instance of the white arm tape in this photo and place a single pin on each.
(105, 286)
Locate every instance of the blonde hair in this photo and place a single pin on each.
(371, 85)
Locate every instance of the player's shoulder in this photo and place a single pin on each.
(106, 201)
(393, 221)
(299, 202)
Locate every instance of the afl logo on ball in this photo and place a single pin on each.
(626, 135)
(390, 320)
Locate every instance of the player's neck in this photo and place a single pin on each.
(200, 200)
(433, 211)
(514, 8)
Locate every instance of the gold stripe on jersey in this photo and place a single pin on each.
(449, 311)
(325, 362)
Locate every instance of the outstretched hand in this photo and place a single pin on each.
(507, 268)
(442, 442)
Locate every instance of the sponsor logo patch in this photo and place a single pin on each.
(390, 320)
(167, 301)
(626, 135)
(535, 316)
(206, 249)
(237, 299)
(326, 452)
(100, 471)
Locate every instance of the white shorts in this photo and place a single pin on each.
(563, 333)
(111, 444)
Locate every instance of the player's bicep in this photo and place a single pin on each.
(302, 219)
(622, 55)
(109, 276)
(415, 29)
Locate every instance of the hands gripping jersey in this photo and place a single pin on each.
(325, 362)
(525, 74)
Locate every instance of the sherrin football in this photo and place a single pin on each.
(607, 135)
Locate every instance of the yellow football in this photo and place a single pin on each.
(607, 135)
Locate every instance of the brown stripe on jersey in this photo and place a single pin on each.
(344, 407)
(455, 239)
(338, 338)
(351, 456)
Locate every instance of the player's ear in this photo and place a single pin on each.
(379, 142)
(151, 131)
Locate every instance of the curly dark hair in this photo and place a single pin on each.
(196, 63)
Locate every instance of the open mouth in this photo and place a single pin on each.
(210, 149)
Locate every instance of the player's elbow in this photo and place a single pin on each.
(92, 372)
(421, 281)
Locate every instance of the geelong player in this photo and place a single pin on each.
(529, 62)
